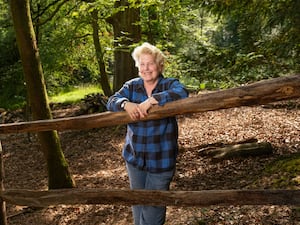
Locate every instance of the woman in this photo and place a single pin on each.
(151, 147)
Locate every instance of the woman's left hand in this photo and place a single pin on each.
(145, 106)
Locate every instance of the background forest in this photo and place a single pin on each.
(209, 44)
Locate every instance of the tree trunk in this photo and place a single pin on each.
(58, 172)
(99, 54)
(127, 31)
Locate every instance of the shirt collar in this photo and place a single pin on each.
(140, 84)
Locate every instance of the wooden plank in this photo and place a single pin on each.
(144, 197)
(3, 218)
(258, 93)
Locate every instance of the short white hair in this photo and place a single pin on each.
(147, 48)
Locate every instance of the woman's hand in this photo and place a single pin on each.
(133, 110)
(146, 105)
(137, 111)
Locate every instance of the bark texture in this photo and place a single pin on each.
(127, 32)
(58, 171)
(148, 197)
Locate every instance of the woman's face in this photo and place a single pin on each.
(148, 69)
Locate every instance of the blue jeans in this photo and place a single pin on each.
(140, 179)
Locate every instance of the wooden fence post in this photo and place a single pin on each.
(3, 219)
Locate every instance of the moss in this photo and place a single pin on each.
(285, 172)
(290, 164)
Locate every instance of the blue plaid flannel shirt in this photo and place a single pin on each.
(150, 145)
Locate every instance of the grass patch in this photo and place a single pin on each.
(75, 94)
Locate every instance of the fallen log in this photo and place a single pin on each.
(258, 93)
(146, 197)
(237, 150)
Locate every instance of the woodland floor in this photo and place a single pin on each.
(94, 157)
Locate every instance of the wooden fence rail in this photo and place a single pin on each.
(148, 197)
(3, 219)
(258, 93)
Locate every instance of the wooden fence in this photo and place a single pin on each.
(258, 93)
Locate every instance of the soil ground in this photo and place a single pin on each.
(95, 161)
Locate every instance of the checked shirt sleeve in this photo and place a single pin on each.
(115, 101)
(172, 90)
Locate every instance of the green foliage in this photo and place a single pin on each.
(12, 86)
(66, 55)
(228, 43)
(211, 45)
(264, 28)
(66, 45)
(9, 51)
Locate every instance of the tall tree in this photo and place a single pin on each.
(127, 31)
(58, 171)
(99, 54)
